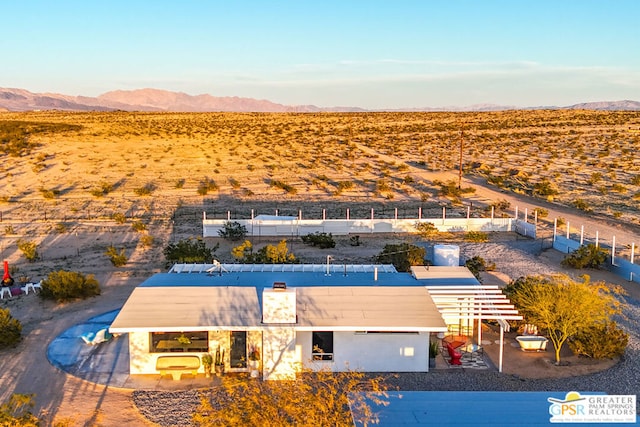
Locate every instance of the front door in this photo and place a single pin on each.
(238, 357)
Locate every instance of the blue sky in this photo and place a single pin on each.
(366, 53)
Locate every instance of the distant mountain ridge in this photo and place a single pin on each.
(12, 99)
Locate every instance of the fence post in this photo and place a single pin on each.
(324, 214)
(597, 238)
(396, 214)
(581, 235)
(228, 215)
(468, 212)
(555, 228)
(492, 212)
(347, 214)
(568, 229)
(420, 212)
(526, 215)
(516, 215)
(252, 214)
(613, 251)
(633, 251)
(444, 214)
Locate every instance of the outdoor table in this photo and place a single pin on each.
(472, 349)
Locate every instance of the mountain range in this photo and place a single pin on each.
(161, 100)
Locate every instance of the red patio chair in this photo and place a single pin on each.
(454, 355)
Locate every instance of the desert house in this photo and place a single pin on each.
(338, 317)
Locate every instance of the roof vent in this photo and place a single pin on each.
(279, 285)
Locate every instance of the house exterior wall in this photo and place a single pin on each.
(280, 357)
(381, 352)
(142, 361)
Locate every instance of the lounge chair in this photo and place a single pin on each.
(93, 338)
(454, 355)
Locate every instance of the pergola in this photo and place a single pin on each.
(475, 302)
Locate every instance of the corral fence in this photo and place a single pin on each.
(276, 225)
(621, 260)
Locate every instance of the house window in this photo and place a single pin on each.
(322, 346)
(179, 342)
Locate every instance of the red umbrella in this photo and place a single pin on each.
(7, 280)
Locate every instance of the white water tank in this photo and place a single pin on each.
(446, 255)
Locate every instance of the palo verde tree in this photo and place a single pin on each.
(313, 399)
(269, 254)
(562, 306)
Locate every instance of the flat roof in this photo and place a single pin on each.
(230, 307)
(443, 275)
(382, 308)
(173, 309)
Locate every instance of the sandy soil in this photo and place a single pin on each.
(74, 228)
(59, 396)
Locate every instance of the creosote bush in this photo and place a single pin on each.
(189, 251)
(600, 341)
(402, 256)
(476, 237)
(320, 240)
(233, 230)
(117, 258)
(586, 256)
(10, 330)
(478, 264)
(17, 411)
(65, 285)
(29, 249)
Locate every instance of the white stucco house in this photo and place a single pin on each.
(339, 317)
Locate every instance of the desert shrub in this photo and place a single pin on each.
(145, 190)
(320, 240)
(541, 212)
(402, 256)
(117, 258)
(478, 264)
(206, 185)
(119, 218)
(189, 251)
(8, 229)
(61, 228)
(233, 230)
(10, 330)
(139, 226)
(283, 186)
(426, 229)
(29, 249)
(147, 240)
(179, 183)
(600, 341)
(635, 180)
(17, 411)
(49, 193)
(476, 236)
(69, 285)
(582, 204)
(586, 256)
(560, 221)
(544, 188)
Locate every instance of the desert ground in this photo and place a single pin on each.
(140, 181)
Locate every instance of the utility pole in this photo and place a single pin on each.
(460, 167)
